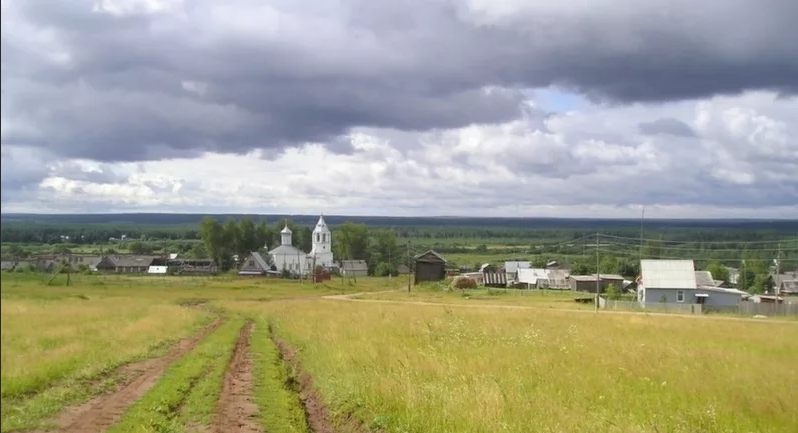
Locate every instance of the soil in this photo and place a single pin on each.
(100, 413)
(236, 411)
(316, 413)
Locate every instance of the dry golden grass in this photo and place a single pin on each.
(443, 368)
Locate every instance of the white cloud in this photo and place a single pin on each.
(593, 162)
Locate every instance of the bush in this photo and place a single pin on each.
(463, 283)
(613, 293)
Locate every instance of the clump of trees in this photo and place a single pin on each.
(350, 241)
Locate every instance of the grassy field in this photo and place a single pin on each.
(441, 369)
(431, 366)
(54, 344)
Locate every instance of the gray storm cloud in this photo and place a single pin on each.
(239, 75)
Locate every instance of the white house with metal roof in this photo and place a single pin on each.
(674, 281)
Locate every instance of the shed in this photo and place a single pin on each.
(159, 270)
(127, 263)
(587, 283)
(354, 268)
(495, 279)
(403, 269)
(429, 266)
(255, 264)
(533, 278)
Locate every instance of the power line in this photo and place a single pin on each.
(718, 259)
(638, 239)
(701, 248)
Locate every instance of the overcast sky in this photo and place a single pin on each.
(404, 107)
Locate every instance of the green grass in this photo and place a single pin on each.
(434, 293)
(187, 393)
(443, 368)
(281, 410)
(60, 349)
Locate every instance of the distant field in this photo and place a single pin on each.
(276, 356)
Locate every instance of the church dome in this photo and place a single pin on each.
(286, 231)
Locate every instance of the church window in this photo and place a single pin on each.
(318, 237)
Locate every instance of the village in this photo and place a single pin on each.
(663, 285)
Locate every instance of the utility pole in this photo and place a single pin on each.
(410, 269)
(776, 289)
(598, 272)
(642, 218)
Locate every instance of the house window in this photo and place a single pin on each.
(680, 296)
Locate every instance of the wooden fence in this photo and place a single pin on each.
(748, 309)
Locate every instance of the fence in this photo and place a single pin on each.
(658, 307)
(744, 309)
(753, 309)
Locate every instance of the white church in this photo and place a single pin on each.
(291, 258)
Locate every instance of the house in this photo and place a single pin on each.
(558, 279)
(511, 268)
(194, 266)
(495, 279)
(354, 268)
(674, 281)
(587, 283)
(256, 265)
(126, 263)
(403, 269)
(786, 284)
(429, 266)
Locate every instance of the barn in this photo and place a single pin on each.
(430, 266)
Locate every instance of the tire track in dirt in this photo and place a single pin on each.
(236, 412)
(102, 412)
(316, 413)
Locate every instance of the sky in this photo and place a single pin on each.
(517, 108)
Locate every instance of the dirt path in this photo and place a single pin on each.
(100, 413)
(316, 413)
(236, 412)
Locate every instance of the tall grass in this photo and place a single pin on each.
(443, 369)
(280, 407)
(52, 348)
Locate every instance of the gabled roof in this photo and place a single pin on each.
(532, 275)
(131, 260)
(593, 277)
(704, 278)
(432, 253)
(514, 266)
(354, 265)
(668, 274)
(260, 261)
(321, 226)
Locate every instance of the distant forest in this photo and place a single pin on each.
(99, 228)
